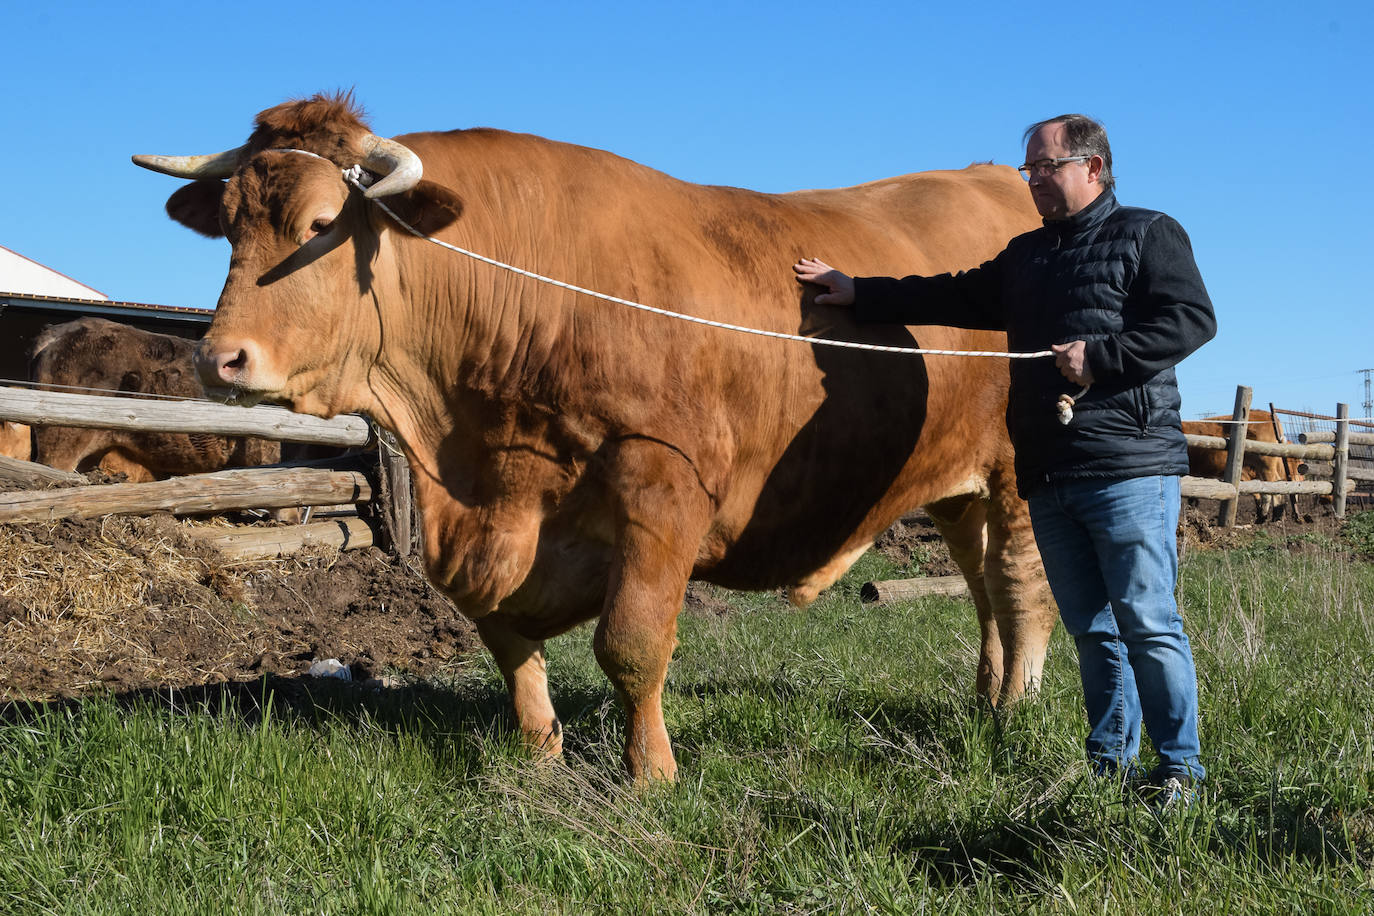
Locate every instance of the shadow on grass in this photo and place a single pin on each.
(448, 719)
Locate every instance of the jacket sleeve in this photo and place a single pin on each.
(1167, 314)
(968, 299)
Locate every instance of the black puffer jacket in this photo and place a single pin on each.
(1121, 278)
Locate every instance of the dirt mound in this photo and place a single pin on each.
(122, 603)
(915, 540)
(1305, 516)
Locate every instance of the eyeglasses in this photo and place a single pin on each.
(1045, 167)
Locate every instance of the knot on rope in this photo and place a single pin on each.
(1065, 405)
(359, 176)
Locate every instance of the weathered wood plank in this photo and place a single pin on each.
(57, 408)
(1235, 454)
(261, 543)
(30, 474)
(1280, 487)
(1327, 435)
(1206, 488)
(1341, 462)
(1323, 472)
(901, 589)
(247, 488)
(1276, 449)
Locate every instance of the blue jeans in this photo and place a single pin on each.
(1111, 557)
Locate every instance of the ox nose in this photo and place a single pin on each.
(223, 365)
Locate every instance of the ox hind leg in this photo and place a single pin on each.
(525, 668)
(663, 512)
(1017, 588)
(992, 542)
(962, 522)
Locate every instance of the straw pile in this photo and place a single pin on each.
(115, 602)
(132, 603)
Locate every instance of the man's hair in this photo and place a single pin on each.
(1085, 137)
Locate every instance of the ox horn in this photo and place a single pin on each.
(398, 165)
(215, 165)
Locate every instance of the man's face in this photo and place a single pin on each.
(1069, 189)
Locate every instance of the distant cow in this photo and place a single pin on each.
(106, 356)
(1210, 462)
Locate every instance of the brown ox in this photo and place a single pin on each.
(106, 356)
(1210, 462)
(577, 459)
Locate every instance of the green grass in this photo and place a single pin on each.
(832, 760)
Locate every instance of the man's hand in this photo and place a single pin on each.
(1069, 358)
(841, 286)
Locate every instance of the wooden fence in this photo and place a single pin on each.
(347, 481)
(385, 483)
(1341, 479)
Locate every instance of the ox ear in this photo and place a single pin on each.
(196, 206)
(427, 207)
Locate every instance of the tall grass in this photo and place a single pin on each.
(832, 760)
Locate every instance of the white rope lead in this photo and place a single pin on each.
(360, 179)
(355, 175)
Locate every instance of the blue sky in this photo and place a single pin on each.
(1249, 123)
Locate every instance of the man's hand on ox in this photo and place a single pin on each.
(841, 286)
(1072, 362)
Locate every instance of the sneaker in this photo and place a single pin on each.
(1174, 792)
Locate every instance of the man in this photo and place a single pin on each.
(1115, 293)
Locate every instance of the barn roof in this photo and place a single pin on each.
(30, 287)
(104, 308)
(25, 275)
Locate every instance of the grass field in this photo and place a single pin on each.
(832, 760)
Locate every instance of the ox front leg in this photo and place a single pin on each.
(663, 516)
(525, 669)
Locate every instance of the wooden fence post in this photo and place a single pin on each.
(1235, 454)
(1340, 462)
(399, 507)
(1279, 436)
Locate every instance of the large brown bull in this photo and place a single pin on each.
(576, 459)
(100, 356)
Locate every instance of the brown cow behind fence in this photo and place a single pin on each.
(1211, 462)
(105, 357)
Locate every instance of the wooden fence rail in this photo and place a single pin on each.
(248, 488)
(1326, 435)
(194, 494)
(1230, 487)
(1275, 449)
(1211, 488)
(56, 408)
(1324, 471)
